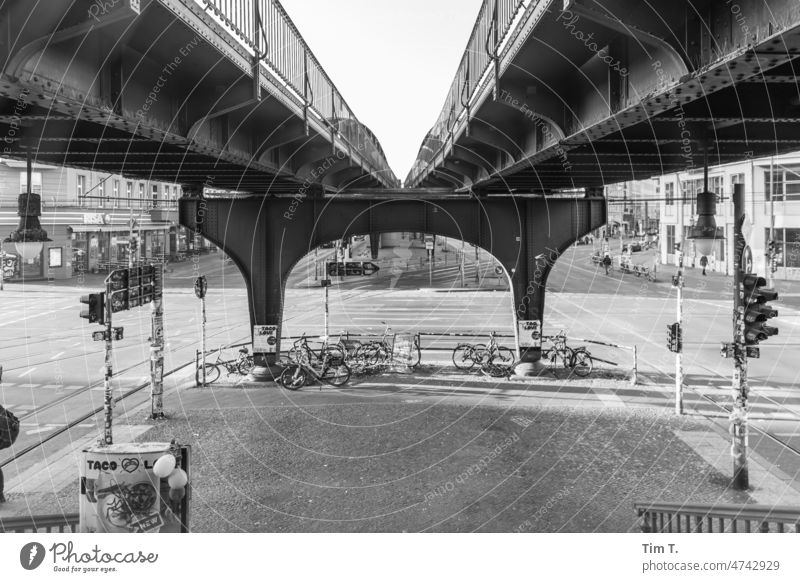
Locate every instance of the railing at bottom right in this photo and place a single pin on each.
(682, 518)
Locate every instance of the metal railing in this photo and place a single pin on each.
(56, 523)
(265, 28)
(480, 59)
(682, 518)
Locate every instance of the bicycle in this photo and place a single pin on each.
(301, 349)
(243, 364)
(579, 360)
(333, 371)
(467, 356)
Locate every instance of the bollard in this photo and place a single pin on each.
(635, 374)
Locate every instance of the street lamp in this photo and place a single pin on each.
(704, 232)
(29, 238)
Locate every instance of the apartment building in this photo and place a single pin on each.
(88, 215)
(772, 201)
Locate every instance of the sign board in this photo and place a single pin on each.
(351, 269)
(200, 287)
(530, 334)
(747, 260)
(428, 245)
(265, 339)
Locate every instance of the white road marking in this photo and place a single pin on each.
(45, 428)
(58, 355)
(26, 373)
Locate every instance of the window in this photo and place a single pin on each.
(81, 189)
(129, 192)
(101, 193)
(141, 195)
(737, 179)
(55, 257)
(783, 184)
(670, 239)
(787, 245)
(116, 193)
(36, 182)
(155, 196)
(669, 193)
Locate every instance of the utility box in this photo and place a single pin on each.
(120, 492)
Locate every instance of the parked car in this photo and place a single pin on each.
(633, 247)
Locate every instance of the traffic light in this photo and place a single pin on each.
(118, 279)
(756, 310)
(96, 313)
(675, 338)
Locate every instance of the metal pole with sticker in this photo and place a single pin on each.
(157, 346)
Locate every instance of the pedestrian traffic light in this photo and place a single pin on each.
(675, 338)
(96, 312)
(756, 310)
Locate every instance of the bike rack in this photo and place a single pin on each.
(633, 349)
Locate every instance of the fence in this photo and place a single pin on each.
(681, 518)
(478, 66)
(56, 523)
(264, 27)
(634, 356)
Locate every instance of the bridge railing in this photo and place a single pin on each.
(271, 34)
(56, 523)
(683, 518)
(496, 21)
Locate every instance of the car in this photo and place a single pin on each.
(633, 247)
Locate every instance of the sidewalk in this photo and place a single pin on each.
(438, 451)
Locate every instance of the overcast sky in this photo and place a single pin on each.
(392, 61)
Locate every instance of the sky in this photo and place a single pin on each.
(393, 62)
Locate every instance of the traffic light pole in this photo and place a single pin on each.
(738, 427)
(679, 352)
(108, 401)
(326, 312)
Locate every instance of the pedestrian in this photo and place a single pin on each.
(607, 262)
(704, 263)
(9, 429)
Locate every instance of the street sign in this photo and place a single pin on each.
(428, 245)
(351, 269)
(370, 268)
(265, 339)
(498, 270)
(200, 287)
(530, 334)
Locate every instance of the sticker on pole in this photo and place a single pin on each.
(265, 339)
(530, 334)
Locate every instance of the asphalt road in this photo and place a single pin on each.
(53, 371)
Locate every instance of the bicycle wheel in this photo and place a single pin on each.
(462, 357)
(212, 374)
(335, 374)
(582, 362)
(504, 356)
(480, 355)
(374, 354)
(246, 365)
(293, 377)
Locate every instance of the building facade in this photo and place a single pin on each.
(772, 203)
(90, 217)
